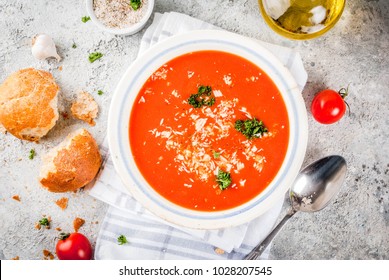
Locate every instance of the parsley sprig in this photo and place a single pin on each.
(122, 240)
(135, 4)
(203, 97)
(223, 179)
(44, 222)
(32, 154)
(95, 56)
(251, 128)
(85, 19)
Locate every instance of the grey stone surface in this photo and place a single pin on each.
(355, 52)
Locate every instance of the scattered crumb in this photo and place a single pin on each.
(60, 68)
(77, 223)
(48, 255)
(16, 197)
(85, 108)
(15, 258)
(62, 203)
(38, 225)
(219, 251)
(58, 229)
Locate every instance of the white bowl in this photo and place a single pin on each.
(130, 85)
(120, 31)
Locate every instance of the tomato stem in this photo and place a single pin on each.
(63, 235)
(343, 93)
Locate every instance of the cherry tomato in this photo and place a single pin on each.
(328, 106)
(73, 246)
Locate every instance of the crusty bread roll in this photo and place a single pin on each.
(72, 164)
(28, 103)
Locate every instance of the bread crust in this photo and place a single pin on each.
(74, 165)
(28, 103)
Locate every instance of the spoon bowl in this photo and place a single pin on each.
(314, 188)
(317, 184)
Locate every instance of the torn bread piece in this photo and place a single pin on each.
(29, 103)
(72, 164)
(85, 108)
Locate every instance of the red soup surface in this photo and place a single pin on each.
(196, 133)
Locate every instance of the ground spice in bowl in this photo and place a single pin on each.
(120, 13)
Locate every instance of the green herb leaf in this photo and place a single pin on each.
(32, 154)
(74, 45)
(202, 97)
(251, 128)
(204, 90)
(223, 179)
(122, 240)
(216, 154)
(85, 19)
(135, 4)
(100, 92)
(44, 222)
(95, 56)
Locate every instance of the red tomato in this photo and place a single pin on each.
(328, 106)
(73, 246)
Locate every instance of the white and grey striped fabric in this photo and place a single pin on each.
(152, 238)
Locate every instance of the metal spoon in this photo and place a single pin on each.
(312, 190)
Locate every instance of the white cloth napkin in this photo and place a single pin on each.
(150, 237)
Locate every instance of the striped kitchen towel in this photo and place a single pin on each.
(150, 237)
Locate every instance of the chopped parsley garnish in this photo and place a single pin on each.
(122, 240)
(202, 97)
(100, 92)
(251, 128)
(135, 4)
(74, 45)
(95, 56)
(216, 154)
(32, 154)
(85, 19)
(44, 222)
(223, 179)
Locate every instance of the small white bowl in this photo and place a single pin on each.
(124, 98)
(120, 31)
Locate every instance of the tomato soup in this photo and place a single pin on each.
(209, 130)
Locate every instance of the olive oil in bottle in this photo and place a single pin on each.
(303, 17)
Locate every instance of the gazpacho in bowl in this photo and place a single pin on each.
(207, 129)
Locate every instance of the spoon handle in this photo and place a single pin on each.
(258, 250)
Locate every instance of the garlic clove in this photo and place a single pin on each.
(43, 47)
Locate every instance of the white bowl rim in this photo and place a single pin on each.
(120, 31)
(144, 66)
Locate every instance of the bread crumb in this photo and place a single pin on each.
(48, 255)
(219, 251)
(60, 68)
(85, 108)
(58, 229)
(15, 258)
(38, 226)
(62, 203)
(77, 223)
(16, 197)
